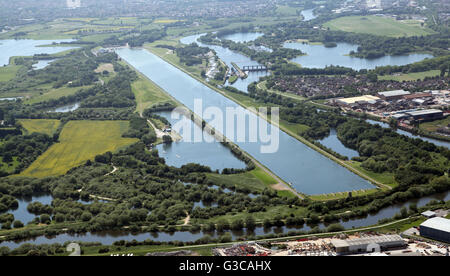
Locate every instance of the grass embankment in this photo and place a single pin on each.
(256, 180)
(377, 25)
(79, 141)
(435, 125)
(7, 73)
(411, 76)
(247, 102)
(148, 94)
(48, 127)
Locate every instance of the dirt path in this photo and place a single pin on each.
(113, 171)
(187, 219)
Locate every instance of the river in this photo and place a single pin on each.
(409, 134)
(107, 238)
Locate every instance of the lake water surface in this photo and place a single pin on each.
(319, 56)
(214, 155)
(28, 47)
(228, 56)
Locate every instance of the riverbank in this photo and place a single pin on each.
(284, 128)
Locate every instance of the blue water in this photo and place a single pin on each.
(27, 47)
(243, 37)
(67, 108)
(319, 56)
(228, 56)
(409, 134)
(308, 15)
(41, 64)
(22, 214)
(333, 142)
(214, 155)
(308, 171)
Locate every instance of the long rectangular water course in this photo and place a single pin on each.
(308, 171)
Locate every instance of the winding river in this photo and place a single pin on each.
(107, 238)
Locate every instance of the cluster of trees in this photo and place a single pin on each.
(75, 69)
(25, 149)
(117, 92)
(192, 54)
(140, 129)
(413, 161)
(136, 38)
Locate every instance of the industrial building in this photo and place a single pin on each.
(368, 244)
(437, 229)
(427, 114)
(361, 100)
(393, 95)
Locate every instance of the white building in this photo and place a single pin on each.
(73, 4)
(367, 245)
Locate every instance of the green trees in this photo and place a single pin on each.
(250, 223)
(167, 139)
(17, 224)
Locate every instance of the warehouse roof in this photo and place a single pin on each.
(394, 93)
(438, 223)
(429, 214)
(424, 112)
(366, 241)
(365, 98)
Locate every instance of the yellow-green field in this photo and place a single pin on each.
(40, 125)
(378, 25)
(80, 141)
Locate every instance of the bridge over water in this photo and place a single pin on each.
(254, 68)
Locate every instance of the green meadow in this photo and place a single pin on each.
(377, 25)
(80, 141)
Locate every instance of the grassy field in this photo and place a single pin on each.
(411, 76)
(255, 180)
(53, 93)
(8, 72)
(80, 141)
(434, 125)
(148, 94)
(385, 178)
(41, 126)
(377, 25)
(287, 11)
